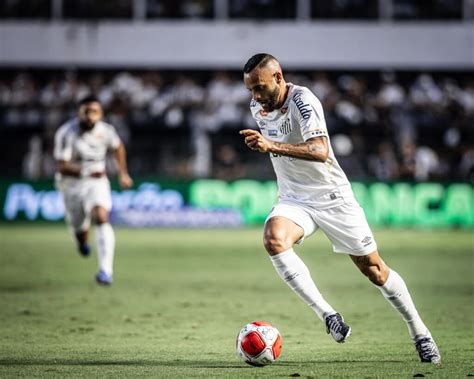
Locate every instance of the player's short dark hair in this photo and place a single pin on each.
(89, 99)
(260, 60)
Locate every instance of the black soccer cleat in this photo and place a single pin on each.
(84, 249)
(338, 329)
(427, 350)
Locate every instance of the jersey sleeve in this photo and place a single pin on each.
(62, 145)
(309, 115)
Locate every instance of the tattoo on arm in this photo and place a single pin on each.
(315, 149)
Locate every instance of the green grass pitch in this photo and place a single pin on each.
(181, 296)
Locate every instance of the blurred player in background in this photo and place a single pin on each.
(80, 150)
(314, 193)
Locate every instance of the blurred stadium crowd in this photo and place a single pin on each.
(236, 9)
(384, 125)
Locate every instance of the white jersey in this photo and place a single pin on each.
(88, 149)
(301, 117)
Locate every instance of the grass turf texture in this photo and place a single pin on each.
(181, 296)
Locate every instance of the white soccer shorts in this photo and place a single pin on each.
(80, 196)
(345, 225)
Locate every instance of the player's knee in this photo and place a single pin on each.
(276, 241)
(377, 275)
(100, 215)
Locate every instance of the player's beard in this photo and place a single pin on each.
(86, 126)
(273, 98)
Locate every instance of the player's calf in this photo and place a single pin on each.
(373, 267)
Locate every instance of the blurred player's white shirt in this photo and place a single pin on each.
(301, 117)
(88, 149)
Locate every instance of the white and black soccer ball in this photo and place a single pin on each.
(259, 343)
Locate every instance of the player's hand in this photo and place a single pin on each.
(256, 141)
(125, 181)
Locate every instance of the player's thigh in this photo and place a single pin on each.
(98, 195)
(286, 225)
(76, 215)
(347, 228)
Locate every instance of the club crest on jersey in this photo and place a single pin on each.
(285, 127)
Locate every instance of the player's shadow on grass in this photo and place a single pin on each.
(16, 289)
(116, 362)
(342, 361)
(168, 363)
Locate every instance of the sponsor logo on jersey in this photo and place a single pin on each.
(285, 127)
(332, 196)
(305, 109)
(261, 124)
(272, 132)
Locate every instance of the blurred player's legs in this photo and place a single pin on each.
(105, 242)
(78, 220)
(86, 201)
(99, 202)
(82, 238)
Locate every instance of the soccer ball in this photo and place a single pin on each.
(259, 343)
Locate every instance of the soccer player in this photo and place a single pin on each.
(80, 149)
(314, 193)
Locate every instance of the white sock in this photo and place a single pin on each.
(295, 273)
(396, 292)
(105, 239)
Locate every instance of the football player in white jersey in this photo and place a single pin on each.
(80, 149)
(314, 193)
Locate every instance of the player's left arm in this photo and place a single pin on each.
(314, 149)
(120, 156)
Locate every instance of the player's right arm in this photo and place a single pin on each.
(309, 116)
(63, 153)
(314, 149)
